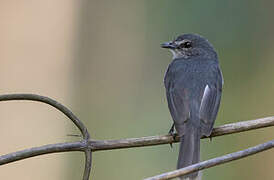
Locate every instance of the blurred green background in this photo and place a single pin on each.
(103, 59)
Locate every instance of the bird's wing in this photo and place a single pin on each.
(210, 101)
(178, 104)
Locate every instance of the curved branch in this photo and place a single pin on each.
(167, 139)
(215, 161)
(49, 101)
(54, 147)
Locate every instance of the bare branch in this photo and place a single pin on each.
(88, 157)
(36, 151)
(243, 126)
(97, 145)
(214, 162)
(50, 148)
(166, 139)
(88, 146)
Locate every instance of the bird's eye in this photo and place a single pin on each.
(186, 44)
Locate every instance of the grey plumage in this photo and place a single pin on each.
(193, 83)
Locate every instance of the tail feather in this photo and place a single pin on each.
(189, 152)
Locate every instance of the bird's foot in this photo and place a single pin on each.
(172, 133)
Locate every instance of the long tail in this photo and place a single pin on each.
(189, 151)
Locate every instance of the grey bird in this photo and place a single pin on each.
(193, 83)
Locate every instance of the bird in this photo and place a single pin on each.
(193, 83)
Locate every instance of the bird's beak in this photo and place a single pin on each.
(169, 45)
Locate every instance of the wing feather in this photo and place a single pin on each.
(210, 103)
(178, 104)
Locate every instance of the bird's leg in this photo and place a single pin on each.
(172, 133)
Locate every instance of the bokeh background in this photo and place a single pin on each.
(103, 60)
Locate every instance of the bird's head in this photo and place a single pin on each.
(190, 45)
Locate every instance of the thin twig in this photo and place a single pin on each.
(214, 162)
(167, 139)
